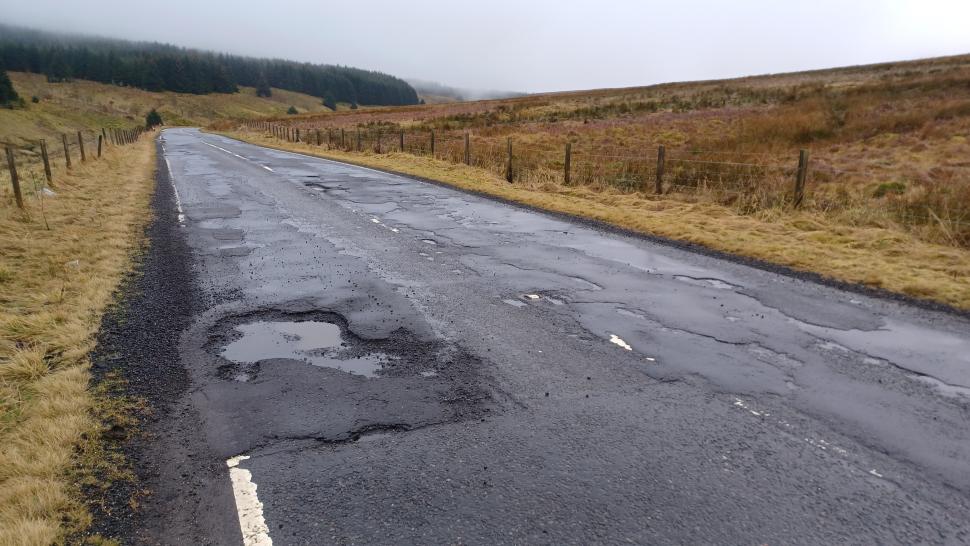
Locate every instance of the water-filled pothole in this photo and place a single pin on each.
(314, 342)
(256, 345)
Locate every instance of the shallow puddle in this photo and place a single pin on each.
(309, 341)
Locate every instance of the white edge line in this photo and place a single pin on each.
(178, 200)
(255, 532)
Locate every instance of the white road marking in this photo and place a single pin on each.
(382, 173)
(178, 200)
(250, 510)
(616, 339)
(230, 152)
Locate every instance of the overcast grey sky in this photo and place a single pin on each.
(538, 45)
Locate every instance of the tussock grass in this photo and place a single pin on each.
(808, 240)
(735, 142)
(60, 262)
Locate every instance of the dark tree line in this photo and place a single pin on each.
(8, 95)
(161, 67)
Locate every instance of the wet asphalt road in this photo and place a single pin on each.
(543, 381)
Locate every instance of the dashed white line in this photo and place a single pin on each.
(382, 173)
(230, 152)
(255, 532)
(616, 339)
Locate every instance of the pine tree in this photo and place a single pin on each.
(329, 102)
(292, 111)
(159, 67)
(153, 119)
(262, 87)
(8, 95)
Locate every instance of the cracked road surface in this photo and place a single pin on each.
(537, 380)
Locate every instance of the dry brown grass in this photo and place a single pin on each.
(888, 142)
(880, 257)
(60, 262)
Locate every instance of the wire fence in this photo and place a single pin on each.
(43, 160)
(747, 181)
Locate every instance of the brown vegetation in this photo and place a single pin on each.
(60, 261)
(887, 142)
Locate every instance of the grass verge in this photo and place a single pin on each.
(61, 260)
(805, 241)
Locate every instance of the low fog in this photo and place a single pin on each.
(514, 46)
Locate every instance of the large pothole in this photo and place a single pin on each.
(314, 342)
(248, 343)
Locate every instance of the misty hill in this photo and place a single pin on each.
(163, 67)
(435, 89)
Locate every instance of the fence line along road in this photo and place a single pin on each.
(118, 137)
(655, 171)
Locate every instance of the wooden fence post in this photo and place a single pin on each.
(47, 161)
(800, 175)
(432, 144)
(12, 165)
(104, 135)
(297, 135)
(566, 163)
(508, 165)
(468, 156)
(661, 159)
(358, 140)
(67, 150)
(100, 140)
(80, 144)
(378, 141)
(343, 145)
(401, 141)
(319, 140)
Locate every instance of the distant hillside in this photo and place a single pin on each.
(438, 92)
(66, 107)
(162, 67)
